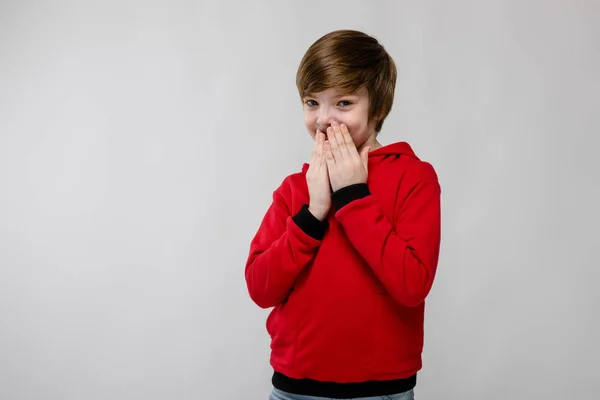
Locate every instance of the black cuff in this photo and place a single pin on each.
(310, 224)
(348, 194)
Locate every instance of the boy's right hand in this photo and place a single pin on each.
(317, 179)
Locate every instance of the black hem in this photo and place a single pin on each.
(347, 194)
(310, 387)
(310, 224)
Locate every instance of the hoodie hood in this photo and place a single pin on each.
(394, 150)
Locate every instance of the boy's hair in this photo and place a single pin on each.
(350, 60)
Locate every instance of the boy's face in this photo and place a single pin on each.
(320, 109)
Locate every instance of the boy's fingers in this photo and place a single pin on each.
(347, 138)
(319, 143)
(315, 150)
(339, 137)
(333, 144)
(328, 153)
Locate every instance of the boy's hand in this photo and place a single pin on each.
(317, 179)
(345, 166)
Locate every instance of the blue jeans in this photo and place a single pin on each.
(277, 394)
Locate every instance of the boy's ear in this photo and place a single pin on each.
(376, 119)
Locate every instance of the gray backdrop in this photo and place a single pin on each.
(140, 142)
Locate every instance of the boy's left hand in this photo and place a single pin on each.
(346, 166)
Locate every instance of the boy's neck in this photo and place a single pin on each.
(373, 144)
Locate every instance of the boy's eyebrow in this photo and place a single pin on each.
(341, 94)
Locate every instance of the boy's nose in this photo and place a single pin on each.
(324, 121)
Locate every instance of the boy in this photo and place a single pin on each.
(348, 249)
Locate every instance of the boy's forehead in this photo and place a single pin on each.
(339, 92)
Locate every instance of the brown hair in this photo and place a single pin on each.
(350, 60)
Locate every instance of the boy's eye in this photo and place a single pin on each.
(311, 103)
(345, 103)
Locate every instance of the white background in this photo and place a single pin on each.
(140, 142)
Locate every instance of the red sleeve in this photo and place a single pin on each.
(282, 247)
(403, 258)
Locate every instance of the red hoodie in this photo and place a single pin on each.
(348, 293)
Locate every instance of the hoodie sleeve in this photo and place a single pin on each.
(403, 255)
(283, 245)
